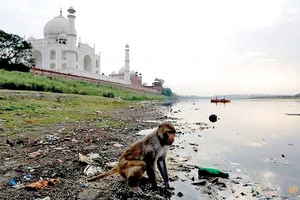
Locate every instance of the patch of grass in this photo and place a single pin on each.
(14, 80)
(24, 110)
(111, 124)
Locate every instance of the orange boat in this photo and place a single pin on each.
(216, 100)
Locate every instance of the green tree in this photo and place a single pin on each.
(167, 92)
(15, 52)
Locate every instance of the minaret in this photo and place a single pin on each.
(126, 72)
(71, 36)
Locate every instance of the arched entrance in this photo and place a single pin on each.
(38, 58)
(87, 63)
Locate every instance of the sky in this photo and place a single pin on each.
(198, 47)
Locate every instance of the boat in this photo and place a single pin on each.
(216, 100)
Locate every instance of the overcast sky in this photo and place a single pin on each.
(197, 47)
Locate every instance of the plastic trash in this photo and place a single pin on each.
(28, 177)
(212, 172)
(12, 182)
(213, 118)
(46, 198)
(42, 183)
(91, 170)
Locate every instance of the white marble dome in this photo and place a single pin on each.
(122, 70)
(58, 25)
(62, 36)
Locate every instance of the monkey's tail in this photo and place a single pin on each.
(106, 174)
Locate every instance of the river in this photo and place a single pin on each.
(259, 139)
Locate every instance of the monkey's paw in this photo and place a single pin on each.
(137, 190)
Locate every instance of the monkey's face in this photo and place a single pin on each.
(171, 138)
(167, 132)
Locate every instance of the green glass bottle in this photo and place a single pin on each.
(211, 172)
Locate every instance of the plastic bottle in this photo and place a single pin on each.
(211, 172)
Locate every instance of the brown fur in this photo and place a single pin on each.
(141, 156)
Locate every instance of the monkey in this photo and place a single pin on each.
(142, 156)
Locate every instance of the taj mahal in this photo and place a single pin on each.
(60, 51)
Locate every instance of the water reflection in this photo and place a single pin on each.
(248, 132)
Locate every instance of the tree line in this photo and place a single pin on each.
(15, 53)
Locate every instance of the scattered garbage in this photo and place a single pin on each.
(50, 138)
(12, 182)
(235, 164)
(92, 170)
(211, 172)
(42, 183)
(195, 149)
(28, 177)
(199, 183)
(276, 160)
(84, 159)
(46, 198)
(34, 154)
(256, 191)
(213, 118)
(15, 185)
(179, 194)
(238, 170)
(118, 145)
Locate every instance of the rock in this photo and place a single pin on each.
(199, 183)
(179, 194)
(213, 118)
(243, 194)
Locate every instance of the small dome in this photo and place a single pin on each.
(113, 73)
(56, 26)
(31, 38)
(132, 72)
(122, 70)
(62, 36)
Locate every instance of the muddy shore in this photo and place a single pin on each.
(52, 154)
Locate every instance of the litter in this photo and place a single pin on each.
(46, 198)
(12, 182)
(118, 145)
(51, 138)
(91, 170)
(84, 159)
(28, 177)
(34, 154)
(15, 185)
(42, 183)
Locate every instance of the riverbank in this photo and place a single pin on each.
(52, 152)
(48, 132)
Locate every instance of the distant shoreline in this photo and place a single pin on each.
(244, 97)
(276, 97)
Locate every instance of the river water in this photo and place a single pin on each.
(259, 139)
